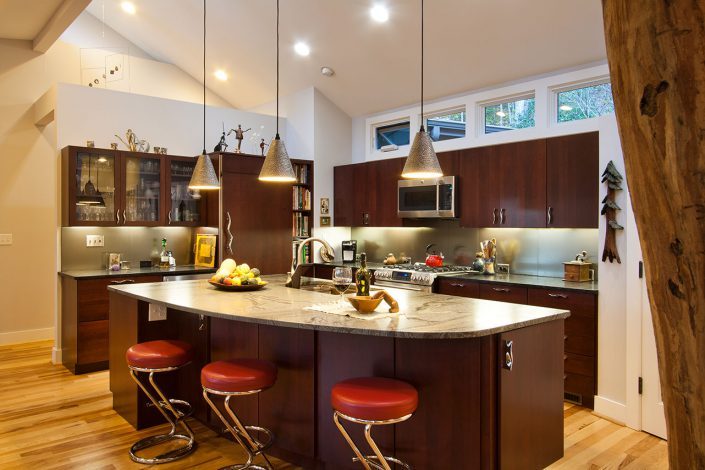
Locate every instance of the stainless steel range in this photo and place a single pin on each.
(417, 276)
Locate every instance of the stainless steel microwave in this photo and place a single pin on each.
(427, 198)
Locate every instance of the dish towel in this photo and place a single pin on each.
(342, 307)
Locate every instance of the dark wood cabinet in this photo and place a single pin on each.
(386, 175)
(84, 320)
(458, 287)
(182, 208)
(343, 191)
(479, 187)
(522, 183)
(572, 185)
(503, 293)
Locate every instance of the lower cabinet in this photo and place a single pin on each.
(84, 320)
(580, 357)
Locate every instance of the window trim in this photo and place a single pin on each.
(376, 125)
(481, 105)
(555, 90)
(461, 108)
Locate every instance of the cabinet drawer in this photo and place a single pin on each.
(503, 293)
(579, 303)
(93, 295)
(459, 287)
(92, 342)
(579, 364)
(580, 344)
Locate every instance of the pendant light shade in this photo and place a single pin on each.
(277, 166)
(422, 161)
(204, 176)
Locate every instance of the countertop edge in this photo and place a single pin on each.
(74, 273)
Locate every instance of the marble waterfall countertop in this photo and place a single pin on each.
(422, 315)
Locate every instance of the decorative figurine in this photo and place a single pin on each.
(222, 146)
(262, 145)
(609, 209)
(239, 136)
(134, 144)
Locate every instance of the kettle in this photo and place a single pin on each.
(433, 259)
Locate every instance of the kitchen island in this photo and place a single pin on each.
(479, 408)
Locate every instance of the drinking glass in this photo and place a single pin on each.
(342, 278)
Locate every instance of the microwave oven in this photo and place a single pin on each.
(427, 198)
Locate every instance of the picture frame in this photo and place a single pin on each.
(325, 206)
(325, 221)
(205, 250)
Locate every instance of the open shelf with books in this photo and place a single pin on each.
(302, 207)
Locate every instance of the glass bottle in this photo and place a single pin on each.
(164, 255)
(362, 277)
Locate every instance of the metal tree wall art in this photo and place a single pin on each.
(609, 209)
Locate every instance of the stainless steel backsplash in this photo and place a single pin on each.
(135, 244)
(539, 252)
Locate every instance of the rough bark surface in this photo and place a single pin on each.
(656, 52)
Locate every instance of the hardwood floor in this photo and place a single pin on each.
(51, 419)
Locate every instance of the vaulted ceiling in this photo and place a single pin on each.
(470, 44)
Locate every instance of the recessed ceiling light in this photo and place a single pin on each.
(379, 13)
(128, 7)
(221, 75)
(565, 107)
(501, 113)
(302, 49)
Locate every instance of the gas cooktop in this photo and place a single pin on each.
(418, 273)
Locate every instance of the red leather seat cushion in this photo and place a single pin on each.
(374, 398)
(159, 354)
(239, 375)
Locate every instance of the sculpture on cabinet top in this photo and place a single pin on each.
(239, 136)
(221, 146)
(134, 144)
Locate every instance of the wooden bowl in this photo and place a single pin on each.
(364, 304)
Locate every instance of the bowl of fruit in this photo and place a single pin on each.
(233, 277)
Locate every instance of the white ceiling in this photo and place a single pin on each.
(470, 44)
(20, 20)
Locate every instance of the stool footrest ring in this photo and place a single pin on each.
(373, 461)
(169, 456)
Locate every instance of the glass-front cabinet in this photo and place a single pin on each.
(185, 205)
(93, 187)
(143, 176)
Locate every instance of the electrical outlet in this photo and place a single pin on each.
(157, 312)
(5, 239)
(502, 268)
(95, 240)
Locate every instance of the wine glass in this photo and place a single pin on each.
(342, 278)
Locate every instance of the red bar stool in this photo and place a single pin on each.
(154, 357)
(240, 377)
(373, 401)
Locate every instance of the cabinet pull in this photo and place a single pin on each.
(170, 217)
(230, 234)
(494, 216)
(508, 355)
(365, 218)
(202, 322)
(123, 281)
(117, 216)
(549, 214)
(501, 216)
(500, 289)
(124, 217)
(558, 296)
(457, 285)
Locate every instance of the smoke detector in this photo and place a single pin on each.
(327, 71)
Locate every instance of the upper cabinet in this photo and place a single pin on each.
(112, 188)
(572, 181)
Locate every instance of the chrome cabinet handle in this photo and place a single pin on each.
(124, 217)
(365, 218)
(500, 289)
(124, 281)
(508, 355)
(457, 285)
(494, 216)
(201, 322)
(550, 215)
(230, 234)
(169, 216)
(117, 216)
(501, 216)
(558, 296)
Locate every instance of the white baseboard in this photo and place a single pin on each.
(26, 336)
(56, 355)
(610, 409)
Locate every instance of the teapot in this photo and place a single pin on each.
(433, 259)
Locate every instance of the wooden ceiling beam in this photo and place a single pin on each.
(67, 12)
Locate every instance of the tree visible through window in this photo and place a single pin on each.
(586, 102)
(510, 115)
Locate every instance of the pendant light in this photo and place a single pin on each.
(422, 161)
(277, 166)
(89, 196)
(204, 176)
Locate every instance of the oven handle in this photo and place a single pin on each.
(401, 285)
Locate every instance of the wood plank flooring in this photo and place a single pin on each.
(51, 419)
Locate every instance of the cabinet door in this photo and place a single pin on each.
(257, 217)
(364, 194)
(572, 181)
(386, 175)
(503, 293)
(92, 186)
(522, 184)
(479, 187)
(458, 287)
(143, 183)
(184, 207)
(343, 188)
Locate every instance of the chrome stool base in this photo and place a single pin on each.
(369, 462)
(241, 433)
(175, 412)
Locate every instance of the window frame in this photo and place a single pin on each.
(556, 90)
(482, 105)
(376, 125)
(462, 108)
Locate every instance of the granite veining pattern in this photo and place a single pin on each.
(422, 315)
(101, 273)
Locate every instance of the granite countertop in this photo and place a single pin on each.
(102, 273)
(525, 280)
(422, 315)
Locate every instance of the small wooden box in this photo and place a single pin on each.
(577, 271)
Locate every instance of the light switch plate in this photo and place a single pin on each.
(5, 239)
(95, 240)
(157, 312)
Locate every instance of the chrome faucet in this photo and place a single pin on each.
(294, 276)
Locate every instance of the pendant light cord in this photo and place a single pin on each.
(277, 135)
(204, 77)
(422, 123)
